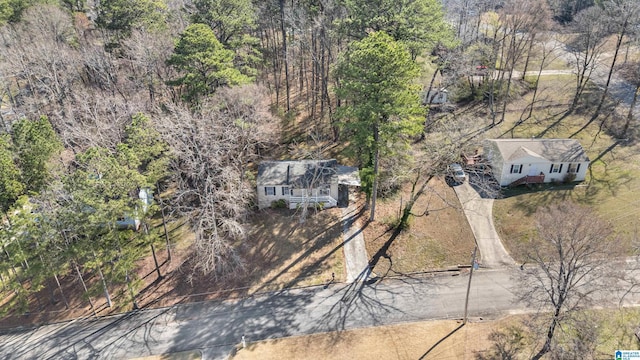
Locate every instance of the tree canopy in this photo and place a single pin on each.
(419, 24)
(35, 144)
(204, 63)
(10, 185)
(382, 104)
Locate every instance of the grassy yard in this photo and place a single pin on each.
(437, 239)
(433, 340)
(446, 339)
(612, 183)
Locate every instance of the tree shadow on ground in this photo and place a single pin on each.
(528, 198)
(434, 346)
(311, 267)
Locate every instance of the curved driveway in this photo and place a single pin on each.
(479, 213)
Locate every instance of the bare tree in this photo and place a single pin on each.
(522, 19)
(571, 265)
(631, 73)
(548, 53)
(147, 53)
(39, 58)
(211, 151)
(586, 48)
(622, 16)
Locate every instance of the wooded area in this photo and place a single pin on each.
(106, 103)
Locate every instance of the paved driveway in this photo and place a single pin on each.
(479, 213)
(355, 252)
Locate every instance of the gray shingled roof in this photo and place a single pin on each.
(299, 173)
(553, 150)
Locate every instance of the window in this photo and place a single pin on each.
(573, 168)
(270, 190)
(285, 190)
(516, 168)
(555, 168)
(325, 192)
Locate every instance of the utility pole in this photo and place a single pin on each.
(466, 301)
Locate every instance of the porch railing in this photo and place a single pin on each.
(328, 201)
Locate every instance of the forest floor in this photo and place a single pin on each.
(280, 251)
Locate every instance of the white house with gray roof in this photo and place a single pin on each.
(520, 161)
(303, 182)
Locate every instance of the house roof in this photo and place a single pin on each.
(552, 150)
(301, 173)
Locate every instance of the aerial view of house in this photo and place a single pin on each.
(519, 161)
(304, 182)
(362, 179)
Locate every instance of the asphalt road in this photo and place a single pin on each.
(215, 327)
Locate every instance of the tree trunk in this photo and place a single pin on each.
(415, 195)
(547, 344)
(164, 226)
(506, 97)
(64, 298)
(526, 61)
(535, 93)
(107, 296)
(275, 63)
(581, 79)
(611, 68)
(13, 269)
(321, 73)
(429, 99)
(374, 191)
(86, 291)
(284, 54)
(131, 293)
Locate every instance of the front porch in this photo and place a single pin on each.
(529, 179)
(298, 201)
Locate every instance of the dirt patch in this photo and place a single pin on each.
(438, 237)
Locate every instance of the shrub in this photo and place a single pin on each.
(279, 204)
(569, 178)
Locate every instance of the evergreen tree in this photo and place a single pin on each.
(35, 143)
(10, 185)
(122, 16)
(419, 24)
(383, 110)
(204, 63)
